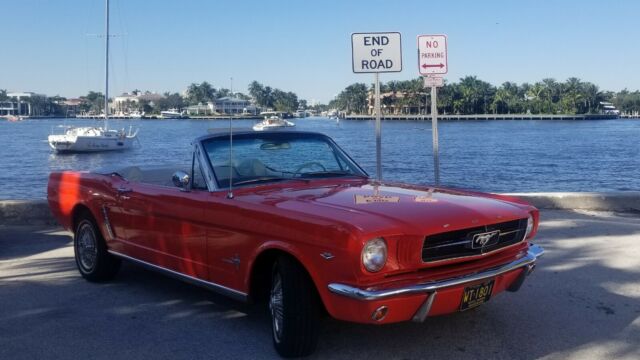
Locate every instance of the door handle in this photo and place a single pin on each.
(122, 191)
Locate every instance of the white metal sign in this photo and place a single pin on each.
(431, 81)
(432, 54)
(376, 52)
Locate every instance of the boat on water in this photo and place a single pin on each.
(300, 113)
(13, 118)
(92, 139)
(173, 114)
(272, 121)
(95, 138)
(607, 108)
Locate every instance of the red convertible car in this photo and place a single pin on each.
(289, 218)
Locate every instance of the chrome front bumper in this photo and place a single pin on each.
(528, 261)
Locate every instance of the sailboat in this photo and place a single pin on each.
(92, 139)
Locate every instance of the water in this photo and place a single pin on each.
(495, 156)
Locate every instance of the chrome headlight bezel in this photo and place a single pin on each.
(374, 254)
(530, 225)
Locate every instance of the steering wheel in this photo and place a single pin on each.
(308, 165)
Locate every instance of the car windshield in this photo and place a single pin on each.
(279, 156)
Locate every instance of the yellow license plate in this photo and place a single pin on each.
(476, 295)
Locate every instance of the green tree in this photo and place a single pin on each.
(171, 101)
(201, 93)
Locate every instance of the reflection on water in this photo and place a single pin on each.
(595, 155)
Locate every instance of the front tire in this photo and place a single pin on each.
(94, 262)
(294, 308)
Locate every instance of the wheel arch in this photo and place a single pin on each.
(80, 210)
(259, 275)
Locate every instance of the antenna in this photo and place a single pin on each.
(230, 194)
(106, 67)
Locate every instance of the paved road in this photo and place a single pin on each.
(583, 302)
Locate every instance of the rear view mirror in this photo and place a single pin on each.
(181, 179)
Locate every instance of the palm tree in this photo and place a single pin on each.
(200, 93)
(592, 96)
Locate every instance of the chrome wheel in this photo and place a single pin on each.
(276, 306)
(87, 247)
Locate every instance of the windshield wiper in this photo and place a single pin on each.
(330, 173)
(260, 180)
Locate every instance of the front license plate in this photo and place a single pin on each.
(476, 295)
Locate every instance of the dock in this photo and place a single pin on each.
(486, 117)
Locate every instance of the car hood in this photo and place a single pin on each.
(383, 208)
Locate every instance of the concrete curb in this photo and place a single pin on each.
(618, 201)
(25, 212)
(36, 212)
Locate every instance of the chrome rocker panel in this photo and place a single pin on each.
(220, 289)
(527, 261)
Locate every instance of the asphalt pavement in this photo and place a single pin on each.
(582, 302)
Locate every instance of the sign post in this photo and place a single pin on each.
(375, 53)
(432, 62)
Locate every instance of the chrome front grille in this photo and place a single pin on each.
(469, 242)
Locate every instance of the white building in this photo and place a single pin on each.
(128, 102)
(231, 105)
(17, 105)
(202, 109)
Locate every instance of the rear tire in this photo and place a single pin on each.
(294, 308)
(94, 262)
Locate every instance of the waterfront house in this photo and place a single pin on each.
(396, 102)
(202, 109)
(230, 105)
(8, 108)
(71, 107)
(23, 103)
(129, 102)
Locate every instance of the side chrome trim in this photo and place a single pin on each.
(223, 290)
(107, 222)
(530, 258)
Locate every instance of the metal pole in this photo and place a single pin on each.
(230, 193)
(378, 130)
(434, 128)
(106, 67)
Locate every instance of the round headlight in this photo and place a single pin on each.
(529, 226)
(374, 254)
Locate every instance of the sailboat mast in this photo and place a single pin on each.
(106, 67)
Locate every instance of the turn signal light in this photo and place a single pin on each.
(380, 313)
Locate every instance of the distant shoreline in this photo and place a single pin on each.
(383, 117)
(490, 117)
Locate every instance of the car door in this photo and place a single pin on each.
(114, 215)
(167, 227)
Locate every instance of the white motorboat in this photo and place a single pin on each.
(172, 114)
(136, 115)
(271, 123)
(93, 139)
(607, 108)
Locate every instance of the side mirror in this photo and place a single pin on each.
(181, 179)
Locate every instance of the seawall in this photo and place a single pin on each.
(36, 212)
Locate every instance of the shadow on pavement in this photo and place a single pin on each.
(581, 302)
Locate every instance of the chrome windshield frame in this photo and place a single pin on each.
(212, 180)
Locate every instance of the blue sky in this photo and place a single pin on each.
(304, 46)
